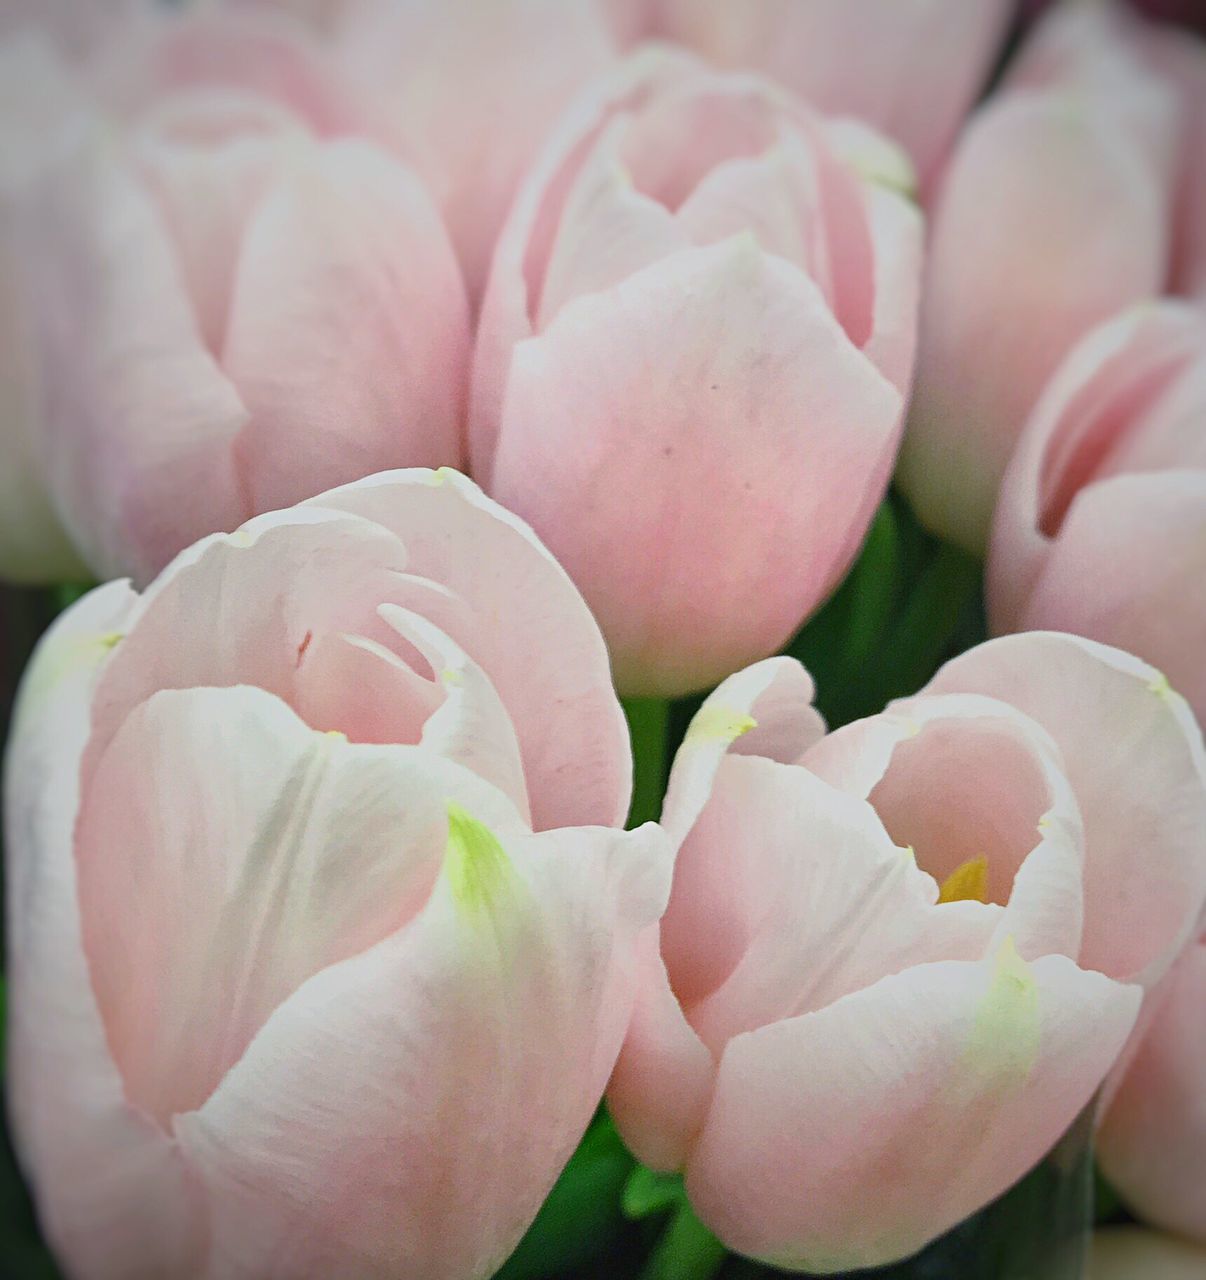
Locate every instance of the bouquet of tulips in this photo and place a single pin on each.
(603, 639)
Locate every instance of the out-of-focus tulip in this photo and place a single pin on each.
(692, 358)
(468, 90)
(1054, 214)
(1153, 1142)
(74, 28)
(909, 67)
(230, 306)
(899, 960)
(1101, 526)
(1130, 1253)
(297, 987)
(1182, 59)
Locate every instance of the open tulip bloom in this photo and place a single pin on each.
(641, 718)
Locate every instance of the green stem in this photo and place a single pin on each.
(648, 723)
(687, 1250)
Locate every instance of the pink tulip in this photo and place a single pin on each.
(1130, 1253)
(468, 90)
(296, 987)
(692, 357)
(1103, 510)
(1153, 1144)
(1054, 213)
(231, 304)
(899, 960)
(911, 69)
(75, 28)
(1182, 59)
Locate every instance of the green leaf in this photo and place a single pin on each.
(581, 1217)
(647, 1193)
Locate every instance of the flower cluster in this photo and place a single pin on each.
(424, 377)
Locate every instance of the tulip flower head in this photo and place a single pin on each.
(321, 939)
(1102, 516)
(692, 360)
(219, 283)
(900, 959)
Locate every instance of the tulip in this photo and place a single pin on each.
(692, 359)
(1102, 514)
(1053, 215)
(75, 28)
(1153, 1141)
(297, 987)
(468, 89)
(900, 959)
(1130, 1253)
(911, 68)
(1182, 59)
(232, 303)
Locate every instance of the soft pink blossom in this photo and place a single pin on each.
(846, 1061)
(1056, 211)
(692, 359)
(228, 299)
(1101, 524)
(317, 963)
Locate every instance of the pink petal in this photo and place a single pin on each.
(255, 54)
(911, 71)
(479, 1039)
(789, 895)
(68, 1109)
(1134, 757)
(776, 454)
(1153, 1141)
(458, 538)
(662, 1083)
(765, 710)
(138, 419)
(1127, 398)
(864, 1101)
(1127, 561)
(441, 67)
(38, 97)
(227, 853)
(1071, 188)
(348, 336)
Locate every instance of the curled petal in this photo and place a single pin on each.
(869, 1096)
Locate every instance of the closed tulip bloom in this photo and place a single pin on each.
(1130, 1253)
(1153, 1142)
(1102, 520)
(900, 959)
(1055, 213)
(692, 359)
(232, 302)
(909, 67)
(317, 950)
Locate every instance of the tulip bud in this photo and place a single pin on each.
(1103, 509)
(1054, 213)
(310, 948)
(910, 69)
(232, 305)
(692, 357)
(900, 959)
